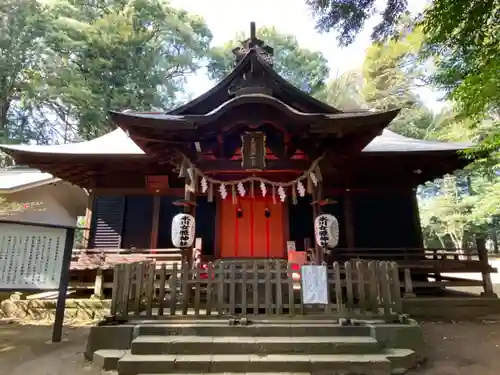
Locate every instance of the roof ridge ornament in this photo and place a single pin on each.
(252, 80)
(264, 51)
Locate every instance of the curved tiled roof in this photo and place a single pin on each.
(118, 143)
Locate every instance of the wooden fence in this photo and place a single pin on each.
(357, 289)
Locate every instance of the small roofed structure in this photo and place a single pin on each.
(256, 159)
(49, 199)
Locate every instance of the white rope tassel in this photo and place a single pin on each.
(301, 189)
(282, 193)
(223, 191)
(241, 189)
(204, 185)
(263, 188)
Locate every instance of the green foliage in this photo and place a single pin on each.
(306, 69)
(347, 17)
(464, 36)
(23, 25)
(455, 208)
(129, 55)
(389, 76)
(392, 72)
(345, 92)
(446, 215)
(65, 64)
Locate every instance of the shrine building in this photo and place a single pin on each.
(254, 160)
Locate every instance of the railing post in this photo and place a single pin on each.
(396, 288)
(408, 284)
(485, 265)
(115, 292)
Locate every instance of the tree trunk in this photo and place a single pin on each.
(494, 234)
(4, 108)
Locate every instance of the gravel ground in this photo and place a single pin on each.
(454, 349)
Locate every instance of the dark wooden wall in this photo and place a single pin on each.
(137, 222)
(300, 221)
(380, 220)
(107, 222)
(126, 222)
(121, 222)
(385, 220)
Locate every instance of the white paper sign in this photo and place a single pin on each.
(314, 285)
(30, 256)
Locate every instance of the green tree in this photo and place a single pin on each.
(446, 215)
(393, 72)
(124, 55)
(461, 35)
(23, 26)
(306, 69)
(464, 35)
(347, 17)
(390, 75)
(345, 92)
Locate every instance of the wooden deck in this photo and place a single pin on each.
(425, 268)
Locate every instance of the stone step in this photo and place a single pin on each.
(107, 359)
(233, 373)
(401, 359)
(255, 345)
(256, 330)
(367, 364)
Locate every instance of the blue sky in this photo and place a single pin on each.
(226, 17)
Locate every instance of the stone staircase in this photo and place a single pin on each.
(266, 347)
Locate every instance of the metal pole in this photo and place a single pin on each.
(63, 286)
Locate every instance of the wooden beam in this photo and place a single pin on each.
(88, 220)
(173, 192)
(349, 220)
(218, 225)
(155, 221)
(209, 166)
(416, 219)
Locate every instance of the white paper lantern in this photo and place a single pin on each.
(183, 230)
(326, 230)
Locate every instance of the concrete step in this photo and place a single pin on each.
(255, 345)
(256, 330)
(233, 373)
(107, 359)
(366, 364)
(401, 359)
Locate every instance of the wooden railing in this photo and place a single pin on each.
(357, 289)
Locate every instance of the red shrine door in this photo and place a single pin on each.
(251, 228)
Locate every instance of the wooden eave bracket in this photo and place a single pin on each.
(184, 203)
(324, 202)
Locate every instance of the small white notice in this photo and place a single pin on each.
(314, 285)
